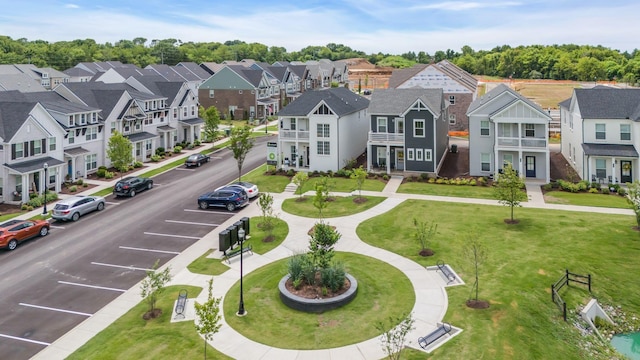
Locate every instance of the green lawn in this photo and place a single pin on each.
(340, 206)
(131, 337)
(523, 261)
(342, 184)
(586, 199)
(466, 191)
(266, 183)
(383, 292)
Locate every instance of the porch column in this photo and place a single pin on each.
(548, 166)
(388, 162)
(520, 164)
(25, 188)
(58, 179)
(614, 178)
(43, 183)
(368, 157)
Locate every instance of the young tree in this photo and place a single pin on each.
(424, 233)
(120, 152)
(211, 118)
(476, 254)
(152, 286)
(240, 142)
(633, 198)
(300, 178)
(393, 339)
(208, 317)
(360, 175)
(508, 189)
(265, 202)
(323, 238)
(320, 200)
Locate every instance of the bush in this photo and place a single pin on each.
(605, 190)
(73, 188)
(547, 187)
(290, 172)
(595, 185)
(431, 181)
(177, 149)
(295, 267)
(24, 207)
(79, 182)
(101, 172)
(160, 151)
(196, 143)
(35, 202)
(85, 185)
(622, 191)
(482, 181)
(424, 176)
(156, 158)
(109, 175)
(137, 164)
(385, 177)
(594, 191)
(333, 277)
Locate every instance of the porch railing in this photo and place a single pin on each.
(386, 137)
(293, 134)
(522, 142)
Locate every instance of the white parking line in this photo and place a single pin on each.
(190, 223)
(112, 203)
(184, 169)
(26, 340)
(121, 266)
(56, 227)
(209, 211)
(91, 286)
(171, 235)
(150, 250)
(56, 309)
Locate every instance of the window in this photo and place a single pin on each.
(323, 110)
(484, 128)
(92, 134)
(625, 132)
(52, 144)
(323, 130)
(193, 110)
(601, 168)
(72, 136)
(529, 130)
(52, 175)
(113, 127)
(485, 162)
(37, 147)
(292, 123)
(94, 118)
(410, 154)
(148, 145)
(211, 93)
(323, 148)
(19, 152)
(382, 125)
(72, 122)
(419, 155)
(138, 125)
(175, 112)
(452, 119)
(418, 128)
(83, 119)
(185, 112)
(507, 159)
(427, 154)
(452, 99)
(601, 131)
(91, 162)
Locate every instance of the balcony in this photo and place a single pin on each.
(294, 134)
(386, 138)
(514, 142)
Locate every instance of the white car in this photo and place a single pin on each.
(251, 189)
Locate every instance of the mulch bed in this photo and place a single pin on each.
(478, 304)
(315, 291)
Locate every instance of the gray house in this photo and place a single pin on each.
(408, 130)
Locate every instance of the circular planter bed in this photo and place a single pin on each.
(317, 305)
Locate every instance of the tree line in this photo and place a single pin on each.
(559, 62)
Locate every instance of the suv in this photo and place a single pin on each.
(17, 231)
(131, 185)
(74, 207)
(227, 197)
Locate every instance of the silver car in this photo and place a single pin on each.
(74, 207)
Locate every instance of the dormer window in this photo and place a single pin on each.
(83, 119)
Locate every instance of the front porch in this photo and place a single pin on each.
(610, 163)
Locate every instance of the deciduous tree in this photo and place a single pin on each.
(120, 152)
(208, 317)
(153, 285)
(240, 142)
(508, 189)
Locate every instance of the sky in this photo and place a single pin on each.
(372, 26)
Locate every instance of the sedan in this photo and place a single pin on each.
(251, 189)
(197, 160)
(230, 198)
(17, 231)
(131, 185)
(74, 207)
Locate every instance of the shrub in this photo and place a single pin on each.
(73, 188)
(547, 187)
(190, 146)
(137, 164)
(333, 276)
(385, 177)
(622, 191)
(595, 185)
(482, 181)
(605, 190)
(424, 176)
(594, 191)
(156, 158)
(24, 207)
(32, 195)
(108, 175)
(196, 143)
(160, 151)
(101, 171)
(79, 182)
(472, 182)
(35, 202)
(85, 185)
(177, 149)
(290, 172)
(295, 267)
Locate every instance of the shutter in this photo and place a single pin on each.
(44, 146)
(26, 148)
(32, 146)
(13, 151)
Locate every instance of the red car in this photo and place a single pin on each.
(16, 231)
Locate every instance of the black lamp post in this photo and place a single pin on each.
(45, 166)
(241, 234)
(266, 124)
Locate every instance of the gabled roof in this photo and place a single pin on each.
(341, 100)
(251, 75)
(12, 116)
(77, 72)
(165, 71)
(212, 67)
(400, 76)
(497, 101)
(298, 70)
(198, 71)
(22, 82)
(603, 102)
(397, 101)
(278, 72)
(185, 73)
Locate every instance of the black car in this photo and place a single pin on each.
(132, 185)
(196, 160)
(227, 197)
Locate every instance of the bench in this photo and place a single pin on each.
(436, 334)
(445, 271)
(233, 253)
(181, 303)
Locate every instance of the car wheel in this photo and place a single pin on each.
(208, 159)
(100, 206)
(132, 193)
(12, 244)
(44, 231)
(75, 216)
(199, 164)
(149, 186)
(231, 206)
(203, 205)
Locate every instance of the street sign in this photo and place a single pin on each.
(272, 153)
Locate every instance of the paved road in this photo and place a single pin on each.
(52, 284)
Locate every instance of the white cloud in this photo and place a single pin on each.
(465, 5)
(71, 6)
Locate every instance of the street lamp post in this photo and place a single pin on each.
(241, 234)
(45, 166)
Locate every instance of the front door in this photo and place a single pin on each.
(625, 172)
(531, 166)
(400, 159)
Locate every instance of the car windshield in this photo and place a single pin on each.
(193, 157)
(61, 207)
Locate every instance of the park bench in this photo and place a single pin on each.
(181, 303)
(233, 253)
(446, 271)
(436, 334)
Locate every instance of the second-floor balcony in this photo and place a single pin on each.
(294, 134)
(386, 138)
(526, 142)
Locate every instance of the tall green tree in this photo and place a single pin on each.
(208, 317)
(240, 142)
(211, 118)
(508, 189)
(120, 152)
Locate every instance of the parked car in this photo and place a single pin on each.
(197, 160)
(74, 207)
(251, 189)
(228, 197)
(16, 231)
(131, 185)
